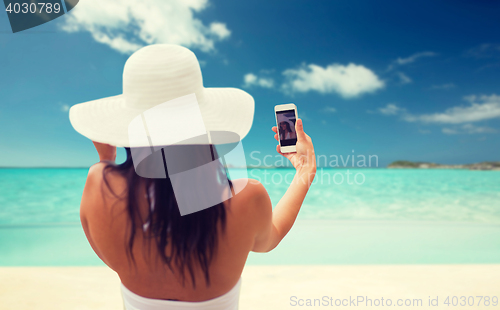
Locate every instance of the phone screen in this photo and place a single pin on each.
(286, 127)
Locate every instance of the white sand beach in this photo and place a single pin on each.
(266, 287)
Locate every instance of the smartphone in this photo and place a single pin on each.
(286, 116)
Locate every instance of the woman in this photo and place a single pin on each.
(133, 223)
(286, 132)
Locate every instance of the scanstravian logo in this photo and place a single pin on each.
(26, 14)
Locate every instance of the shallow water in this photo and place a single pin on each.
(35, 196)
(392, 217)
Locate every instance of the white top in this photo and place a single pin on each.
(288, 135)
(228, 301)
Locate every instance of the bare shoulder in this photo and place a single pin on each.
(100, 192)
(249, 190)
(101, 213)
(115, 180)
(252, 200)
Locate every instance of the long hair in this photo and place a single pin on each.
(288, 129)
(192, 237)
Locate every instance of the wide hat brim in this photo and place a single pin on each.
(107, 120)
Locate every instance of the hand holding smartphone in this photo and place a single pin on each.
(294, 143)
(286, 117)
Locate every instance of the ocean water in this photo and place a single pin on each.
(52, 196)
(356, 216)
(395, 194)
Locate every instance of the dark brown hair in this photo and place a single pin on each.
(193, 237)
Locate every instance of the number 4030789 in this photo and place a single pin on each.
(33, 8)
(471, 300)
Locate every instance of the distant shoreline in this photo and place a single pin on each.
(394, 165)
(405, 164)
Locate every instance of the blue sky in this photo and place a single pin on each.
(400, 80)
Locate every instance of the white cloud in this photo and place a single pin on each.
(391, 109)
(404, 78)
(480, 108)
(414, 57)
(471, 98)
(486, 50)
(449, 131)
(65, 108)
(329, 109)
(473, 129)
(125, 25)
(266, 71)
(468, 129)
(459, 119)
(251, 79)
(444, 86)
(117, 43)
(347, 81)
(220, 30)
(404, 61)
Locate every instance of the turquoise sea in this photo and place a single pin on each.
(356, 216)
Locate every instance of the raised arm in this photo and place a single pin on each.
(276, 224)
(106, 152)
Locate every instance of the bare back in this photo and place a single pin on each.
(106, 224)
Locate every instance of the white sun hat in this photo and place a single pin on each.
(163, 90)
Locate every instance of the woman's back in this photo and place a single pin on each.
(251, 224)
(200, 234)
(105, 221)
